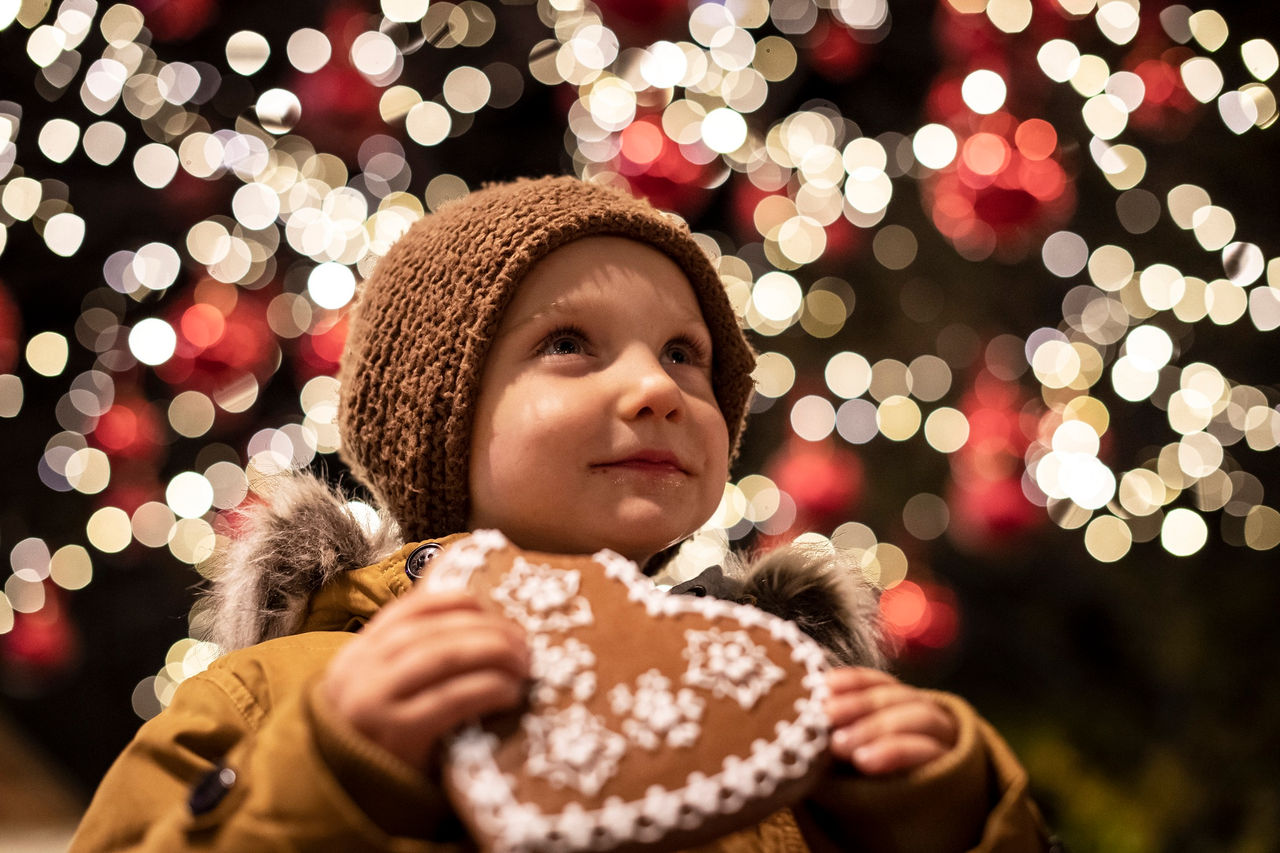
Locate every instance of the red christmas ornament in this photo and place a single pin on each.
(41, 645)
(339, 105)
(672, 181)
(844, 239)
(1168, 111)
(990, 514)
(133, 483)
(638, 23)
(1004, 192)
(920, 615)
(834, 52)
(989, 510)
(177, 20)
(191, 197)
(223, 336)
(825, 481)
(10, 331)
(320, 350)
(131, 428)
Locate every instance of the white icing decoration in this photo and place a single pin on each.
(513, 826)
(702, 793)
(542, 598)
(453, 569)
(730, 663)
(572, 748)
(564, 667)
(655, 714)
(516, 827)
(662, 808)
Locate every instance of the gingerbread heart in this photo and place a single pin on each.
(653, 720)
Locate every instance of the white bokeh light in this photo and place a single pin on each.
(331, 284)
(983, 91)
(152, 341)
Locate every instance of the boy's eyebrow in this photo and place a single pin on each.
(518, 321)
(593, 301)
(566, 305)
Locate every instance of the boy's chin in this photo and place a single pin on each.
(635, 529)
(636, 544)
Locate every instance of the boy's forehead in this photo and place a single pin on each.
(598, 272)
(595, 296)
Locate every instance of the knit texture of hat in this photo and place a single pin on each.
(426, 316)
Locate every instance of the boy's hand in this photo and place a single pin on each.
(880, 725)
(423, 665)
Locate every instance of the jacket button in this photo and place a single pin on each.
(418, 559)
(209, 791)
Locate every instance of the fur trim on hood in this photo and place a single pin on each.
(287, 547)
(304, 533)
(823, 592)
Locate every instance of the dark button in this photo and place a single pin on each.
(209, 791)
(418, 559)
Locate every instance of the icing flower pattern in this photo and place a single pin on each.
(572, 748)
(729, 663)
(655, 714)
(565, 667)
(542, 598)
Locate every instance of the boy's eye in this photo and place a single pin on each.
(563, 342)
(686, 351)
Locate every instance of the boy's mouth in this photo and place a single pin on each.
(655, 461)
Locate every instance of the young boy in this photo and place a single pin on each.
(558, 361)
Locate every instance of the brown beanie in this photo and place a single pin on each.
(425, 318)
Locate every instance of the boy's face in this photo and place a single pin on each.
(596, 425)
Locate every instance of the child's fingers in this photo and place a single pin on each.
(845, 708)
(846, 678)
(477, 646)
(411, 728)
(374, 671)
(466, 697)
(896, 753)
(921, 717)
(404, 636)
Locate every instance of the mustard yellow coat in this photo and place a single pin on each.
(302, 780)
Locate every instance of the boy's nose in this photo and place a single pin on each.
(647, 390)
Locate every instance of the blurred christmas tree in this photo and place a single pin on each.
(1002, 258)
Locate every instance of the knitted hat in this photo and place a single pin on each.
(426, 316)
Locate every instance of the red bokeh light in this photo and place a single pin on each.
(130, 428)
(825, 481)
(1036, 139)
(206, 360)
(642, 142)
(203, 325)
(985, 154)
(903, 608)
(920, 614)
(320, 351)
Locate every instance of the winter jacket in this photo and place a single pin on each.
(248, 756)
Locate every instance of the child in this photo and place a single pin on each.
(558, 361)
